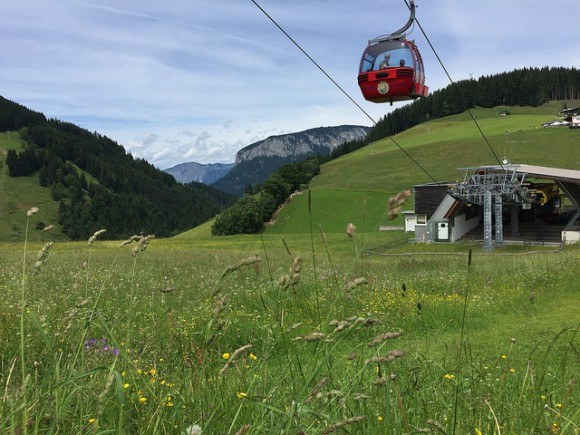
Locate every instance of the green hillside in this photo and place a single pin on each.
(86, 182)
(356, 187)
(18, 195)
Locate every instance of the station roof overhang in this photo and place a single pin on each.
(558, 174)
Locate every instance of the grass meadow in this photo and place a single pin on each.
(277, 333)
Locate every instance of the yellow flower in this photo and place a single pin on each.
(478, 432)
(143, 400)
(253, 357)
(226, 355)
(543, 397)
(92, 420)
(126, 385)
(379, 418)
(448, 376)
(512, 370)
(241, 395)
(559, 405)
(504, 357)
(152, 372)
(139, 371)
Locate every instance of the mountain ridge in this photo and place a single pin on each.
(257, 161)
(206, 173)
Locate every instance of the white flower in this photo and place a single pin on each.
(194, 429)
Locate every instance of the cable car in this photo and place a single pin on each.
(391, 68)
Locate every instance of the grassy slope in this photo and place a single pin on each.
(356, 187)
(441, 147)
(18, 195)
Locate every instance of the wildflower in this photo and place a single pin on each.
(559, 405)
(253, 357)
(226, 355)
(126, 385)
(512, 370)
(448, 376)
(152, 372)
(241, 395)
(379, 418)
(92, 420)
(142, 400)
(543, 397)
(233, 357)
(194, 429)
(478, 432)
(504, 357)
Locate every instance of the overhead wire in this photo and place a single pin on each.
(341, 89)
(455, 84)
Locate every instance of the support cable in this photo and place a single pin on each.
(342, 90)
(454, 84)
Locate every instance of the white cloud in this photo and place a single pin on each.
(200, 79)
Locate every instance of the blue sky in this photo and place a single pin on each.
(197, 80)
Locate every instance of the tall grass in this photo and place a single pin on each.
(165, 341)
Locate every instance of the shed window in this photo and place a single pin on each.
(421, 219)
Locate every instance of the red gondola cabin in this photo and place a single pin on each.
(392, 70)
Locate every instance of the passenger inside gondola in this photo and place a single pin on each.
(385, 63)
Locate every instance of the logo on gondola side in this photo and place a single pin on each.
(383, 88)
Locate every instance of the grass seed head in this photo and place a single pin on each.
(349, 421)
(350, 230)
(42, 256)
(95, 235)
(386, 336)
(395, 203)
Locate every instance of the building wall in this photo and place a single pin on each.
(462, 225)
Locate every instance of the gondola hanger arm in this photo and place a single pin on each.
(398, 34)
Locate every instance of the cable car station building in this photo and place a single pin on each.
(500, 204)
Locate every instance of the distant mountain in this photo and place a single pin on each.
(192, 171)
(256, 162)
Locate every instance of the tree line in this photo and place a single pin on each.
(521, 87)
(99, 185)
(249, 213)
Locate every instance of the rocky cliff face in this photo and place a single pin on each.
(256, 162)
(320, 140)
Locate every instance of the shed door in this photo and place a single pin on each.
(442, 231)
